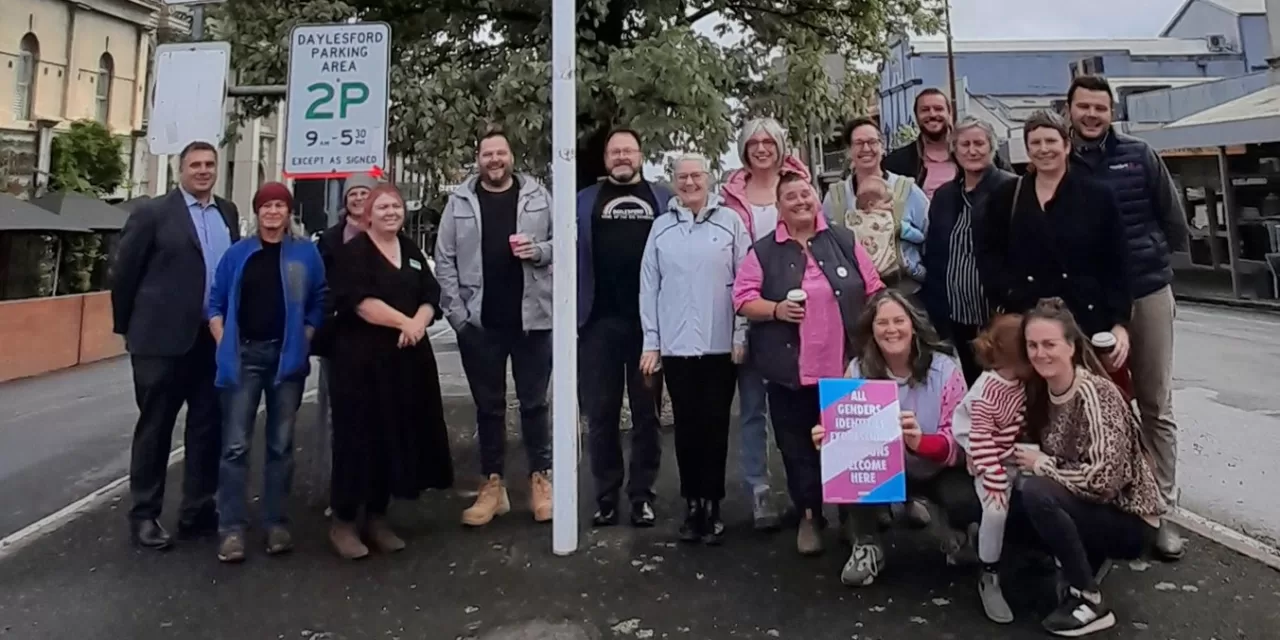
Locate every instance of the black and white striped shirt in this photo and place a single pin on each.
(964, 289)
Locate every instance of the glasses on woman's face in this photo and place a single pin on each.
(693, 176)
(866, 143)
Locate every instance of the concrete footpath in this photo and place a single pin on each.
(85, 581)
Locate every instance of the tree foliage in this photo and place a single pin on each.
(87, 159)
(460, 65)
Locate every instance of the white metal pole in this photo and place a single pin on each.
(564, 321)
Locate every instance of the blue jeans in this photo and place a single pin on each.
(752, 408)
(259, 362)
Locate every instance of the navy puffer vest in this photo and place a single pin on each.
(1125, 167)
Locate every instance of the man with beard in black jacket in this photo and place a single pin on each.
(928, 158)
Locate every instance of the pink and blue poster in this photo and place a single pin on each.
(862, 452)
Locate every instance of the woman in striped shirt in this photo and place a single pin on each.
(987, 424)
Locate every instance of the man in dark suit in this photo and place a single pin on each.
(160, 282)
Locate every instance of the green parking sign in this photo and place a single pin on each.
(337, 99)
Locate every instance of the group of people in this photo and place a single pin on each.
(1020, 316)
(1004, 307)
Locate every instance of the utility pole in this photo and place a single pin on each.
(951, 58)
(197, 22)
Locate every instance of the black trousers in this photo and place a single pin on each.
(484, 359)
(608, 364)
(1081, 534)
(962, 336)
(161, 385)
(794, 413)
(702, 389)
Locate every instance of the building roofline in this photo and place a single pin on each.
(1186, 4)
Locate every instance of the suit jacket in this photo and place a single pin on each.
(158, 276)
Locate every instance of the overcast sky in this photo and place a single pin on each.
(1032, 19)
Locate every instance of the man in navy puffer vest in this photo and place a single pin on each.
(1155, 226)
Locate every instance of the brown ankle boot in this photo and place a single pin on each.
(346, 540)
(540, 496)
(382, 537)
(492, 501)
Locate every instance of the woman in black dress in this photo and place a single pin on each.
(389, 435)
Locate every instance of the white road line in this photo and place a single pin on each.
(14, 542)
(1227, 537)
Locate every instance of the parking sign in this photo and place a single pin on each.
(337, 100)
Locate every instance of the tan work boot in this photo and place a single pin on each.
(382, 537)
(491, 502)
(346, 540)
(540, 496)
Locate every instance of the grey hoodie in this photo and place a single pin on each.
(459, 266)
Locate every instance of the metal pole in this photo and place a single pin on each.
(951, 58)
(564, 321)
(1229, 213)
(197, 22)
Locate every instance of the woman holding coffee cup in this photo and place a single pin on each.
(1090, 495)
(802, 288)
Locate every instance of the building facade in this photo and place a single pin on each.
(62, 61)
(1033, 68)
(1240, 24)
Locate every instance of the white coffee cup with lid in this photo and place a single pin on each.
(1103, 342)
(797, 296)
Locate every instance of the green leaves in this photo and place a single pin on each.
(461, 65)
(86, 159)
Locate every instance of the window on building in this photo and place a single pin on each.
(24, 90)
(106, 77)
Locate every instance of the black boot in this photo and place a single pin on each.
(694, 522)
(713, 534)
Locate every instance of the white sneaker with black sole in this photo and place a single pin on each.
(1077, 616)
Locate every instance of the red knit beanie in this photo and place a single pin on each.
(272, 191)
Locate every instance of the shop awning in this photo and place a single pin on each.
(1251, 119)
(20, 215)
(86, 210)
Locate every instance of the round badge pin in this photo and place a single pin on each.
(842, 272)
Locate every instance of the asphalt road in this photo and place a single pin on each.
(1226, 383)
(84, 581)
(62, 436)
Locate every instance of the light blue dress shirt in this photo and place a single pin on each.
(214, 236)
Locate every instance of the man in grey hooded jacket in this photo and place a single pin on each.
(493, 262)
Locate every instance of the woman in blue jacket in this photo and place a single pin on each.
(266, 302)
(692, 333)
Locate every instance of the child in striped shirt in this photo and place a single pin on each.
(987, 424)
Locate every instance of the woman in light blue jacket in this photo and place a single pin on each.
(692, 333)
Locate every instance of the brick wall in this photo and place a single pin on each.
(46, 334)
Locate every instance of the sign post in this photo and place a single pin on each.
(336, 124)
(564, 321)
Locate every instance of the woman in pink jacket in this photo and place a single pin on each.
(752, 193)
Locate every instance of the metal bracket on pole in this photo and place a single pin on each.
(257, 91)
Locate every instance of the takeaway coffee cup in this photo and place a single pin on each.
(516, 240)
(798, 296)
(1104, 342)
(1027, 446)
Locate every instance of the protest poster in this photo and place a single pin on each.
(862, 451)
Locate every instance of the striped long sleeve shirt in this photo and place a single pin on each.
(987, 424)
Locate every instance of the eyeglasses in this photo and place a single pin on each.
(623, 153)
(866, 144)
(697, 176)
